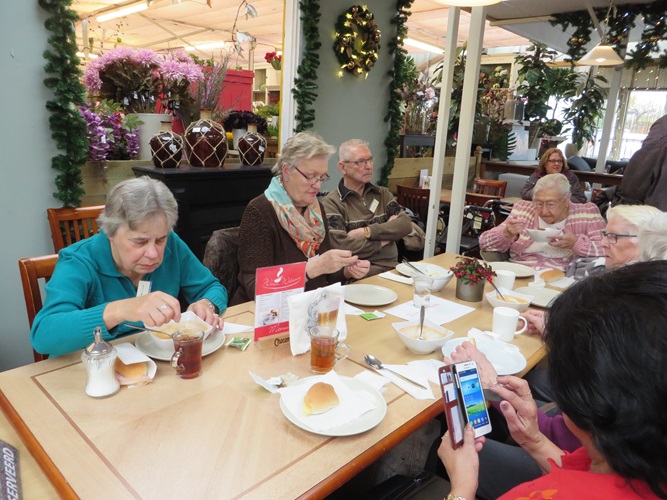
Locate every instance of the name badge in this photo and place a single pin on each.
(374, 205)
(144, 288)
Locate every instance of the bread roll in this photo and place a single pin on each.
(320, 397)
(131, 373)
(553, 275)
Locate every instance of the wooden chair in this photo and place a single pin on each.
(221, 258)
(32, 270)
(415, 199)
(490, 187)
(69, 225)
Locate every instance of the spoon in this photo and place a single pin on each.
(407, 263)
(142, 328)
(498, 291)
(422, 313)
(376, 364)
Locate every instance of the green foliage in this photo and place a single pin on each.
(68, 128)
(535, 79)
(268, 110)
(398, 79)
(502, 139)
(586, 110)
(305, 84)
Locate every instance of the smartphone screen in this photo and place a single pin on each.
(473, 397)
(451, 398)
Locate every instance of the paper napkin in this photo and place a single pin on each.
(395, 277)
(352, 405)
(415, 373)
(439, 311)
(298, 316)
(233, 328)
(128, 354)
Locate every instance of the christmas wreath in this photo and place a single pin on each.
(357, 40)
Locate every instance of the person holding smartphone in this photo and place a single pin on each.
(607, 353)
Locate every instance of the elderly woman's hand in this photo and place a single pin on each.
(513, 226)
(357, 270)
(535, 321)
(520, 411)
(469, 352)
(153, 309)
(462, 464)
(203, 309)
(565, 240)
(330, 262)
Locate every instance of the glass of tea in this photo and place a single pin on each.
(187, 353)
(325, 350)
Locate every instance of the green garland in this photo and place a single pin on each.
(621, 22)
(357, 40)
(394, 114)
(68, 128)
(305, 85)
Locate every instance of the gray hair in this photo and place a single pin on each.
(653, 238)
(553, 181)
(636, 215)
(134, 201)
(302, 146)
(344, 149)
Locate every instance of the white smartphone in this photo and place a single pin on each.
(470, 390)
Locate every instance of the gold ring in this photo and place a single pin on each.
(524, 395)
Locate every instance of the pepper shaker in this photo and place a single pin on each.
(99, 359)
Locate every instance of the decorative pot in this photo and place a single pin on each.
(167, 147)
(150, 126)
(206, 142)
(470, 293)
(252, 147)
(237, 133)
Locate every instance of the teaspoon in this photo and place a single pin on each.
(376, 364)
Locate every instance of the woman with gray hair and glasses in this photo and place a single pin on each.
(287, 224)
(581, 228)
(132, 271)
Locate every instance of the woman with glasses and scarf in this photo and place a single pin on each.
(581, 225)
(287, 223)
(553, 162)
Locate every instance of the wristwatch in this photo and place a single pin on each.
(367, 232)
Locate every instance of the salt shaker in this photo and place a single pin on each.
(99, 359)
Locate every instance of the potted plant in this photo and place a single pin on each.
(238, 122)
(471, 274)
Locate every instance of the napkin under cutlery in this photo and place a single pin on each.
(396, 277)
(414, 372)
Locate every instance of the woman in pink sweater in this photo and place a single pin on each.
(581, 225)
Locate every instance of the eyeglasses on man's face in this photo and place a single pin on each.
(613, 237)
(362, 162)
(313, 180)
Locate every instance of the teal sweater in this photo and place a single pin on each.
(86, 279)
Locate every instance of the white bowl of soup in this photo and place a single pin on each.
(542, 234)
(434, 336)
(189, 322)
(513, 300)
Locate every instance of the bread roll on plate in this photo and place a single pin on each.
(321, 397)
(132, 373)
(552, 275)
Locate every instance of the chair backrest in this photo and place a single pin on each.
(32, 270)
(415, 199)
(221, 257)
(479, 200)
(69, 225)
(491, 187)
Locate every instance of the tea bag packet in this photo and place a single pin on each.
(321, 308)
(133, 367)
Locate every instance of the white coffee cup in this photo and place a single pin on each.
(505, 321)
(505, 279)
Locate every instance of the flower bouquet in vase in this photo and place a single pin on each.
(471, 274)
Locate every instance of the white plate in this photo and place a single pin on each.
(429, 269)
(505, 358)
(146, 345)
(365, 422)
(369, 295)
(520, 270)
(542, 297)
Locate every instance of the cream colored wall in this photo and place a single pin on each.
(27, 180)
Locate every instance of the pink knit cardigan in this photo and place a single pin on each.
(583, 219)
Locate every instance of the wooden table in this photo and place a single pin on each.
(220, 435)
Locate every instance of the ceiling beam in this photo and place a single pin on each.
(521, 20)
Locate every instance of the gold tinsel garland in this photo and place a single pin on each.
(357, 40)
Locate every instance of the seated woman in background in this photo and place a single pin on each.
(287, 223)
(553, 162)
(606, 352)
(132, 271)
(581, 225)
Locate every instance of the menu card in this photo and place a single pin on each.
(272, 287)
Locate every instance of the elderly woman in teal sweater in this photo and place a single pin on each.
(132, 271)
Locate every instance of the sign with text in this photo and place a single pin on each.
(272, 287)
(10, 484)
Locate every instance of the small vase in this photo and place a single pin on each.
(150, 126)
(206, 142)
(167, 147)
(252, 147)
(237, 133)
(470, 293)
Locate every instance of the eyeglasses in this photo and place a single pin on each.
(613, 237)
(556, 162)
(549, 205)
(313, 180)
(362, 162)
